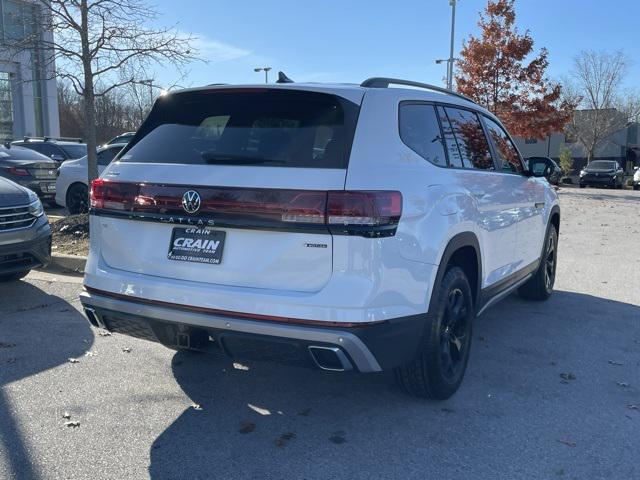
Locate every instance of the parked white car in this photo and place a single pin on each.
(72, 191)
(338, 226)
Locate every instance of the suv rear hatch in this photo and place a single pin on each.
(230, 186)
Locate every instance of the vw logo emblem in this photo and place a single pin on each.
(191, 201)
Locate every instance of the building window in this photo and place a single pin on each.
(6, 107)
(531, 141)
(18, 20)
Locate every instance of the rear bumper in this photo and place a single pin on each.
(367, 348)
(39, 187)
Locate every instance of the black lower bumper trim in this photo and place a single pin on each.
(18, 257)
(391, 343)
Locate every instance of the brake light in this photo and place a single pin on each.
(20, 172)
(369, 213)
(112, 195)
(363, 213)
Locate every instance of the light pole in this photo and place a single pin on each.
(149, 83)
(451, 59)
(266, 72)
(449, 62)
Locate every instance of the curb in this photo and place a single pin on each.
(66, 263)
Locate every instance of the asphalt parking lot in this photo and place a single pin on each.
(552, 390)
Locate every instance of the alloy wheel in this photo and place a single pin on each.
(454, 333)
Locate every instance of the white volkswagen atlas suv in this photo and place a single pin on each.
(344, 227)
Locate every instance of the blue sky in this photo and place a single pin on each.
(350, 40)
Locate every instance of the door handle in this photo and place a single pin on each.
(539, 204)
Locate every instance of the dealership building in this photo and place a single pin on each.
(28, 96)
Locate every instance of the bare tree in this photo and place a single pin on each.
(595, 85)
(91, 42)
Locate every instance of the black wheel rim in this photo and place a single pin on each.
(77, 200)
(550, 264)
(454, 334)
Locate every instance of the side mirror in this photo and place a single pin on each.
(540, 167)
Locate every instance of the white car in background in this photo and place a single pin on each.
(71, 187)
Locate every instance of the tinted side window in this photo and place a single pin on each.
(472, 143)
(105, 156)
(455, 159)
(505, 149)
(46, 149)
(420, 131)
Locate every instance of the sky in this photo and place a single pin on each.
(350, 40)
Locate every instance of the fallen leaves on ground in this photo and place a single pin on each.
(282, 440)
(72, 424)
(196, 406)
(568, 443)
(74, 360)
(613, 362)
(622, 384)
(567, 377)
(247, 427)
(126, 349)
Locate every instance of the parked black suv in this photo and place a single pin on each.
(58, 149)
(606, 173)
(29, 169)
(25, 235)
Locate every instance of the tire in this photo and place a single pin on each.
(14, 276)
(439, 366)
(636, 187)
(52, 204)
(540, 286)
(77, 199)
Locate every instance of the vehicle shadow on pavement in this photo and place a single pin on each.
(536, 368)
(31, 343)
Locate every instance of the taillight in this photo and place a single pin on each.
(20, 172)
(368, 213)
(112, 195)
(363, 213)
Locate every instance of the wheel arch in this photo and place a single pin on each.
(554, 218)
(462, 250)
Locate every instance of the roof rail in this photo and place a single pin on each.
(383, 82)
(47, 138)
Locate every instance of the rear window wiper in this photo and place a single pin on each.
(231, 159)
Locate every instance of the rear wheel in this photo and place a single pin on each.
(78, 199)
(439, 366)
(14, 276)
(540, 286)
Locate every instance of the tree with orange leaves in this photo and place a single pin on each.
(495, 71)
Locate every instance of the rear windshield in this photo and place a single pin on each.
(74, 151)
(21, 153)
(260, 127)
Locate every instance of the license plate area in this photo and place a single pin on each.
(199, 245)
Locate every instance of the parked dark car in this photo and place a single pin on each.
(553, 176)
(29, 169)
(605, 173)
(58, 149)
(25, 235)
(122, 138)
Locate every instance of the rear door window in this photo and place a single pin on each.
(420, 131)
(470, 139)
(506, 151)
(266, 127)
(455, 159)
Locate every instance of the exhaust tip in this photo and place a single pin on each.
(330, 358)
